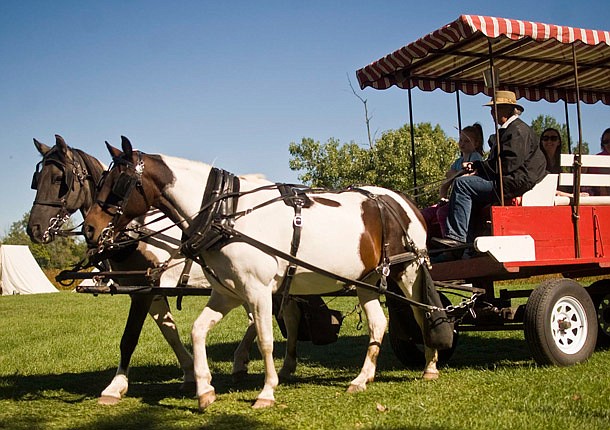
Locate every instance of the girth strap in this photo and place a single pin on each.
(296, 198)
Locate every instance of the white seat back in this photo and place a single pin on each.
(543, 193)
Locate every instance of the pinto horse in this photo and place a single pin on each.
(65, 180)
(246, 233)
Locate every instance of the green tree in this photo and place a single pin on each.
(62, 253)
(332, 164)
(388, 163)
(542, 122)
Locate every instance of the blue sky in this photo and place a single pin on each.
(230, 83)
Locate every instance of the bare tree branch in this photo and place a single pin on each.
(367, 119)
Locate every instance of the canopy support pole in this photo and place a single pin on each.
(565, 107)
(413, 167)
(577, 162)
(495, 108)
(459, 110)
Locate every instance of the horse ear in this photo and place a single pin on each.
(114, 152)
(61, 144)
(126, 145)
(41, 147)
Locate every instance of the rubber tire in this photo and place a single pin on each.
(548, 303)
(600, 294)
(406, 338)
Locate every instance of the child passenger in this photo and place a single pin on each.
(471, 148)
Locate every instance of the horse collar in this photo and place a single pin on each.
(218, 207)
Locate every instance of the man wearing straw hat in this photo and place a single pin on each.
(522, 166)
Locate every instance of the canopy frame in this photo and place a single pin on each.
(452, 59)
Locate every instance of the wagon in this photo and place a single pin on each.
(546, 234)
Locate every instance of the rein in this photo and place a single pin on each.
(409, 256)
(213, 226)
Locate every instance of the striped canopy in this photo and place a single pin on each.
(534, 60)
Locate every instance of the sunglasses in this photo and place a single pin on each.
(605, 142)
(552, 138)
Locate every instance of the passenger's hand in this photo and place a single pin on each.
(468, 167)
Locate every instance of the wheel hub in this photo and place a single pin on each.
(564, 325)
(569, 325)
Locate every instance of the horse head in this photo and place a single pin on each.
(127, 191)
(64, 181)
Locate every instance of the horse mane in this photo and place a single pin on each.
(92, 164)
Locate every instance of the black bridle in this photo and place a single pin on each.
(74, 171)
(128, 180)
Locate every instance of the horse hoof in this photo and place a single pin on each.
(206, 399)
(353, 388)
(108, 400)
(239, 376)
(284, 376)
(189, 387)
(263, 403)
(430, 375)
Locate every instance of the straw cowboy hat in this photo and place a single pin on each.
(505, 98)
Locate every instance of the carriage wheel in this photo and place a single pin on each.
(560, 323)
(406, 338)
(600, 294)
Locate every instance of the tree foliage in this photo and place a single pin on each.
(62, 253)
(388, 163)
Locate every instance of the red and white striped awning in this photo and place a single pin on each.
(534, 60)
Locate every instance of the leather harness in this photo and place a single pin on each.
(212, 228)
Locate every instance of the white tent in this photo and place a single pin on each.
(20, 273)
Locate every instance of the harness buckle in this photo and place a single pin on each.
(298, 221)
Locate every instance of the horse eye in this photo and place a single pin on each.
(58, 179)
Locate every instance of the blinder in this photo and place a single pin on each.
(36, 176)
(68, 175)
(124, 184)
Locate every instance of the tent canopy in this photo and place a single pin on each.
(20, 273)
(534, 60)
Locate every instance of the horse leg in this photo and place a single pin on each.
(292, 316)
(161, 314)
(241, 356)
(140, 304)
(431, 354)
(412, 284)
(218, 306)
(377, 324)
(262, 310)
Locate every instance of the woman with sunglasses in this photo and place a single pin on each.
(605, 142)
(550, 144)
(605, 145)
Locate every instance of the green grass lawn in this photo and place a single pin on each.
(58, 351)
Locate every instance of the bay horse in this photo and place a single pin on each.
(65, 181)
(246, 233)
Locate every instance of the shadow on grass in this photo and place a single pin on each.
(343, 359)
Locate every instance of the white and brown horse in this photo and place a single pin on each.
(65, 181)
(350, 234)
